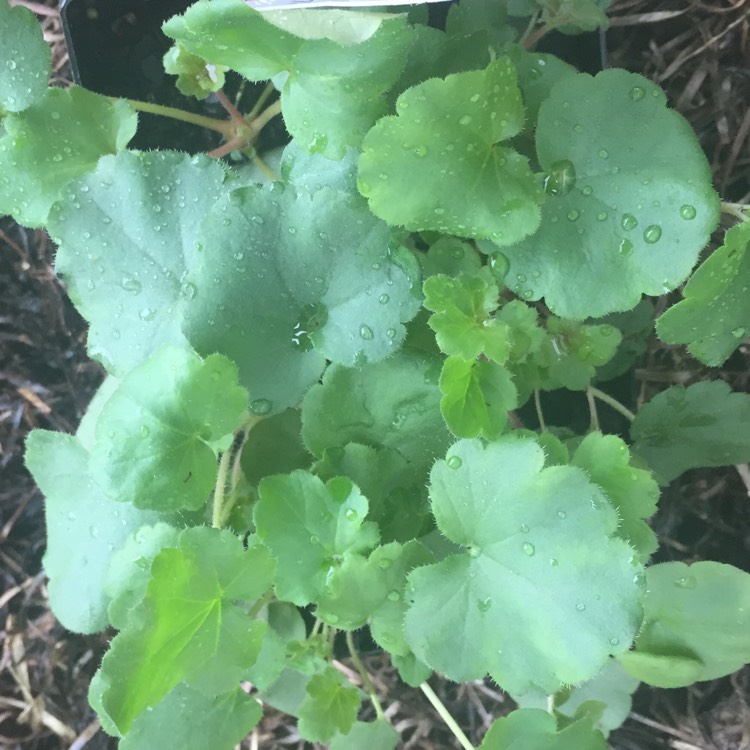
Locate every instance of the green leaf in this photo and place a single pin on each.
(397, 497)
(542, 593)
(154, 435)
(391, 404)
(623, 224)
(633, 492)
(477, 397)
(437, 164)
(372, 590)
(462, 318)
(533, 729)
(319, 277)
(330, 706)
(470, 16)
(331, 81)
(86, 431)
(127, 236)
(189, 627)
(636, 327)
(308, 173)
(714, 316)
(191, 720)
(697, 613)
(195, 77)
(310, 528)
(685, 428)
(374, 735)
(129, 571)
(612, 687)
(274, 446)
(56, 140)
(411, 671)
(450, 256)
(26, 68)
(581, 15)
(84, 528)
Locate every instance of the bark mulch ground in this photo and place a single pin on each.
(700, 53)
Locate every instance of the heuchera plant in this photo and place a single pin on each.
(324, 375)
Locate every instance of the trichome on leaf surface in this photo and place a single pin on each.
(325, 366)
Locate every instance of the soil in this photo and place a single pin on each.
(699, 53)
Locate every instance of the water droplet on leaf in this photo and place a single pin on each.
(561, 178)
(637, 93)
(528, 549)
(261, 406)
(652, 234)
(366, 332)
(454, 462)
(688, 212)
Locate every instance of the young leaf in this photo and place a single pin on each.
(125, 268)
(189, 626)
(84, 528)
(192, 720)
(336, 284)
(437, 164)
(632, 492)
(613, 687)
(533, 729)
(57, 139)
(636, 327)
(310, 528)
(195, 77)
(714, 317)
(154, 435)
(642, 206)
(542, 593)
(684, 428)
(373, 735)
(332, 68)
(330, 706)
(27, 68)
(129, 571)
(477, 397)
(695, 614)
(462, 318)
(391, 404)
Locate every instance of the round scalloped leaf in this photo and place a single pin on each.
(633, 492)
(391, 404)
(127, 235)
(692, 613)
(155, 435)
(331, 81)
(283, 282)
(310, 528)
(714, 317)
(26, 68)
(84, 528)
(534, 729)
(330, 706)
(705, 424)
(543, 592)
(642, 207)
(190, 626)
(437, 164)
(58, 139)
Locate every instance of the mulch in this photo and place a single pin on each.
(699, 52)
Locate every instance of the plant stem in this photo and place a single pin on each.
(267, 598)
(437, 704)
(266, 116)
(267, 91)
(267, 171)
(228, 146)
(594, 425)
(613, 402)
(735, 209)
(529, 29)
(225, 127)
(364, 675)
(220, 488)
(532, 39)
(232, 111)
(539, 412)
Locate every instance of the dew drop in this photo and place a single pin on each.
(420, 152)
(573, 215)
(637, 93)
(454, 462)
(351, 514)
(614, 641)
(394, 596)
(628, 222)
(391, 333)
(578, 128)
(528, 549)
(261, 406)
(465, 120)
(474, 551)
(652, 234)
(384, 299)
(187, 291)
(147, 314)
(524, 528)
(483, 605)
(603, 153)
(366, 332)
(129, 284)
(385, 563)
(314, 540)
(739, 333)
(688, 212)
(12, 66)
(625, 248)
(561, 514)
(474, 98)
(554, 562)
(602, 216)
(94, 531)
(686, 582)
(561, 178)
(580, 606)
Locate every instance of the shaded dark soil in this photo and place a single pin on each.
(699, 52)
